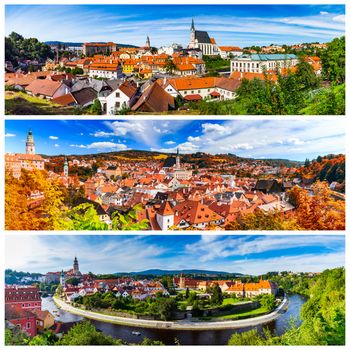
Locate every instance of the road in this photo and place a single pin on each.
(185, 324)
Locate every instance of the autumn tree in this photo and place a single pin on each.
(320, 211)
(260, 220)
(22, 213)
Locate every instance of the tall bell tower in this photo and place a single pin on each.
(178, 164)
(75, 266)
(30, 145)
(65, 167)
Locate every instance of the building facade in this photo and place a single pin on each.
(260, 63)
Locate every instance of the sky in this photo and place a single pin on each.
(236, 254)
(288, 139)
(238, 25)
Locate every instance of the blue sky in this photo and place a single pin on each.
(288, 139)
(108, 254)
(241, 25)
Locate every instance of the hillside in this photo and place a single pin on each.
(159, 272)
(329, 168)
(199, 158)
(24, 104)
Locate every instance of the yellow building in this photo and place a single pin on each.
(129, 66)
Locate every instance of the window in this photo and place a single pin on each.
(28, 325)
(117, 104)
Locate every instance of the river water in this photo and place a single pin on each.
(214, 337)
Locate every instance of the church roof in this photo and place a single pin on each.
(169, 162)
(202, 37)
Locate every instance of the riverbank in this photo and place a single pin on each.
(186, 324)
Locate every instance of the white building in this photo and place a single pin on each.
(258, 63)
(123, 96)
(226, 52)
(165, 216)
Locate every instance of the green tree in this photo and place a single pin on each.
(83, 217)
(268, 301)
(84, 333)
(333, 61)
(170, 66)
(47, 338)
(216, 296)
(96, 108)
(306, 76)
(129, 221)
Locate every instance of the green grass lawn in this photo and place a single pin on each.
(238, 315)
(20, 103)
(246, 314)
(230, 301)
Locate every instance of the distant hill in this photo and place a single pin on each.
(201, 159)
(158, 272)
(68, 43)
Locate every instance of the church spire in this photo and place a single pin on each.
(192, 26)
(148, 42)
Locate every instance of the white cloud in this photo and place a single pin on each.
(170, 143)
(10, 135)
(245, 245)
(339, 18)
(103, 134)
(217, 128)
(193, 139)
(56, 145)
(53, 137)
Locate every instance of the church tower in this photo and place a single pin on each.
(30, 145)
(65, 167)
(62, 279)
(192, 36)
(75, 266)
(178, 164)
(148, 43)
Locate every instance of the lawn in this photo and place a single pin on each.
(20, 103)
(238, 315)
(230, 301)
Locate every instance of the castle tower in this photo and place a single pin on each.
(65, 167)
(75, 266)
(148, 42)
(30, 145)
(182, 284)
(178, 164)
(62, 279)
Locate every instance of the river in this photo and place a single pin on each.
(213, 337)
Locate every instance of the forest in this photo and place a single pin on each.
(18, 48)
(323, 315)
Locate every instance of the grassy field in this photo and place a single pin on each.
(19, 103)
(238, 315)
(230, 301)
